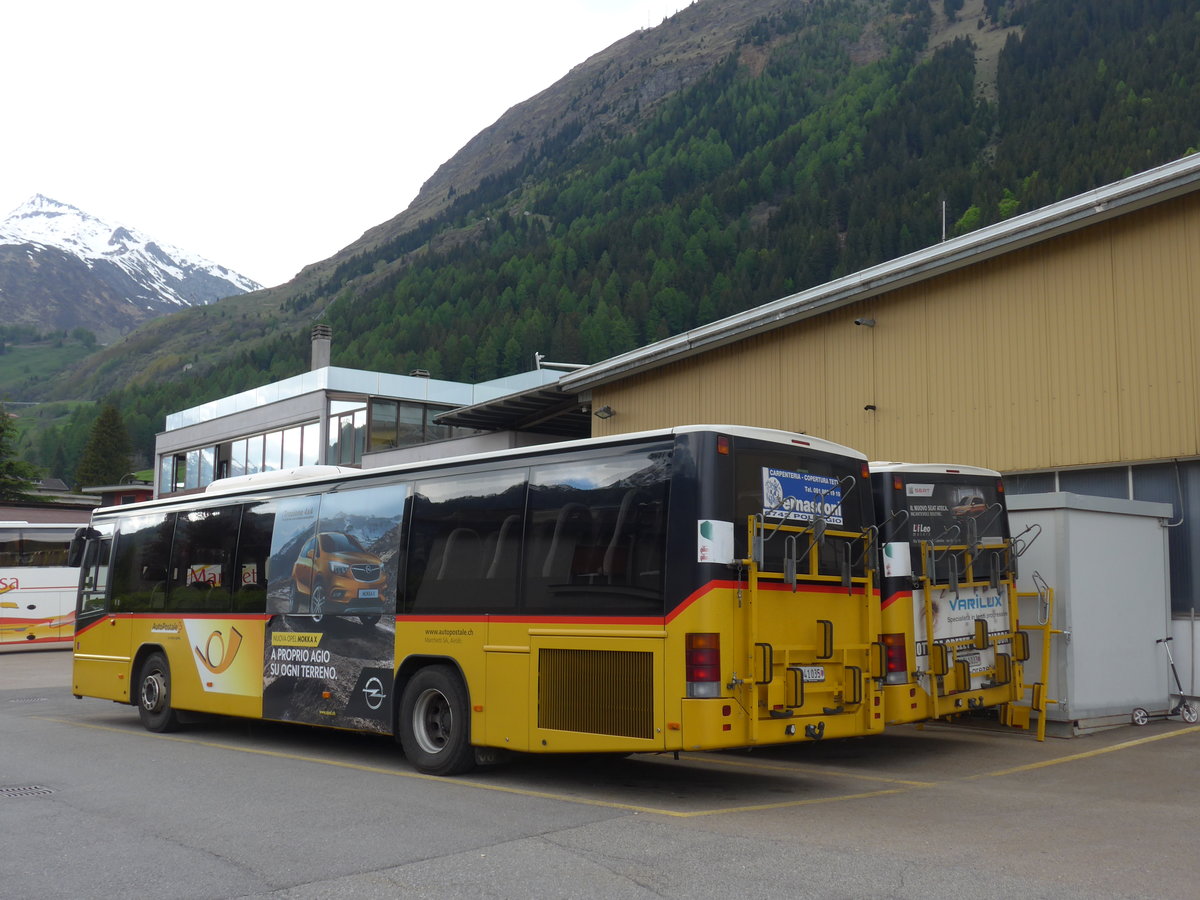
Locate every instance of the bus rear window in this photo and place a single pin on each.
(790, 487)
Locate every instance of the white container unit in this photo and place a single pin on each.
(1107, 563)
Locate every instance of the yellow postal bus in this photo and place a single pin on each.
(951, 634)
(687, 589)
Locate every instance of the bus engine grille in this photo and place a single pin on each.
(596, 691)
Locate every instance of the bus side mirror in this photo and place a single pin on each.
(78, 546)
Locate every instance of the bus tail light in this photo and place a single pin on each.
(895, 658)
(702, 660)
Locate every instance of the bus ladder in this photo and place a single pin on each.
(950, 678)
(775, 681)
(1019, 716)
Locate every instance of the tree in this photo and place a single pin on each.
(17, 476)
(107, 456)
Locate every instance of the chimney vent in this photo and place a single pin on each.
(322, 336)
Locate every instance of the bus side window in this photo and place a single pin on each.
(464, 542)
(10, 548)
(598, 534)
(202, 560)
(46, 548)
(250, 565)
(140, 567)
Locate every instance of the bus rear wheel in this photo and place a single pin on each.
(433, 723)
(154, 695)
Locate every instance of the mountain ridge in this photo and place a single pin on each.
(813, 139)
(62, 267)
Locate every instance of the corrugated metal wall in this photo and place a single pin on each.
(1080, 350)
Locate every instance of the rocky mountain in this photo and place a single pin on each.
(739, 151)
(62, 268)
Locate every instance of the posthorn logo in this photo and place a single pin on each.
(217, 656)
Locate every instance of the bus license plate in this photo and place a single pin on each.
(813, 673)
(368, 594)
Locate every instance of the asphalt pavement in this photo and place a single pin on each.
(91, 804)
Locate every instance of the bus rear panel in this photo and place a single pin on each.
(949, 613)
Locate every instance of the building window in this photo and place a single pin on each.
(1031, 483)
(254, 455)
(347, 432)
(399, 423)
(291, 447)
(237, 458)
(310, 444)
(1108, 482)
(383, 426)
(272, 451)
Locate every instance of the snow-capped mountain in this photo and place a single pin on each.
(62, 267)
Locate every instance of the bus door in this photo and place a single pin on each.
(811, 626)
(102, 639)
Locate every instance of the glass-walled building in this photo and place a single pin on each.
(328, 416)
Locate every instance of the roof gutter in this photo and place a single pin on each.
(1119, 198)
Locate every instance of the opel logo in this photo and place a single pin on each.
(373, 692)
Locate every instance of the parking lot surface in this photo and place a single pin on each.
(91, 803)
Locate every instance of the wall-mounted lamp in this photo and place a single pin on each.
(604, 412)
(870, 323)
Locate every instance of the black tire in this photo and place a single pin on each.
(434, 723)
(316, 602)
(154, 695)
(369, 621)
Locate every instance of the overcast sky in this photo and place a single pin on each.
(268, 134)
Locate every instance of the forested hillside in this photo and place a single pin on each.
(827, 141)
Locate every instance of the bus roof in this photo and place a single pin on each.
(932, 469)
(249, 484)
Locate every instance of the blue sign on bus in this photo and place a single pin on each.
(801, 496)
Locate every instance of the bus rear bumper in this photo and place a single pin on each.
(722, 724)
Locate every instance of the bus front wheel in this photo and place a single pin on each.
(433, 723)
(154, 695)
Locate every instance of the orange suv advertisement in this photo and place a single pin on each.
(331, 595)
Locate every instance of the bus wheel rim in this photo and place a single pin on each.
(433, 721)
(152, 691)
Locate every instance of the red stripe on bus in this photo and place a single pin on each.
(899, 595)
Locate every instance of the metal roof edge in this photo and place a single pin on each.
(1090, 208)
